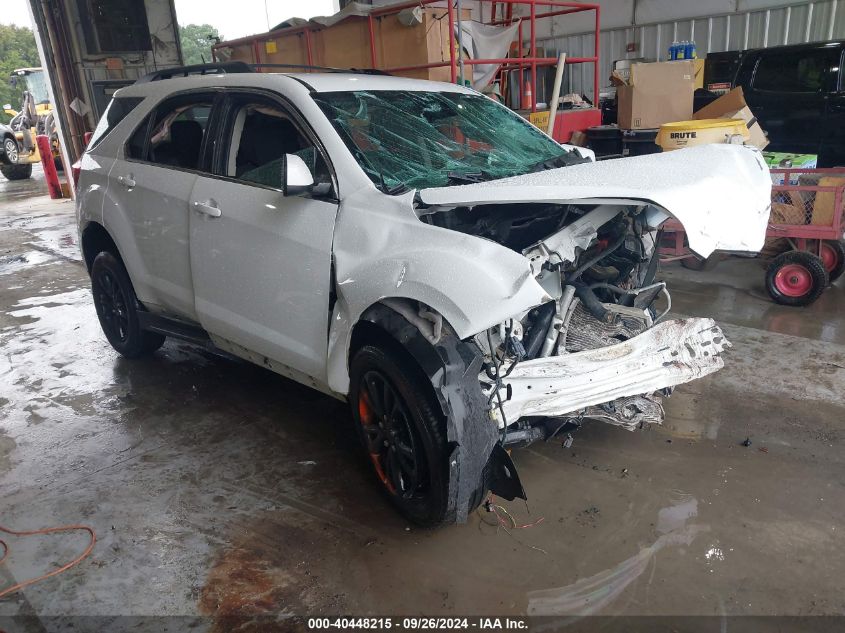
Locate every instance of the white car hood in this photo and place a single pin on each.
(720, 193)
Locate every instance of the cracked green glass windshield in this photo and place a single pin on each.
(414, 140)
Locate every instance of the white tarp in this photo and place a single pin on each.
(484, 41)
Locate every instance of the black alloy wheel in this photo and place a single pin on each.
(402, 430)
(389, 439)
(112, 307)
(117, 308)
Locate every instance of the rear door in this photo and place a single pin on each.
(788, 93)
(261, 261)
(152, 182)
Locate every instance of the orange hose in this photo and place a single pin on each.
(61, 528)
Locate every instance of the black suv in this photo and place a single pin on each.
(797, 93)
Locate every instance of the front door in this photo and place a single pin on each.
(788, 94)
(261, 260)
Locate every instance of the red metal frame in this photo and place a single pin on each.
(530, 63)
(803, 232)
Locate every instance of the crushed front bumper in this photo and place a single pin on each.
(668, 354)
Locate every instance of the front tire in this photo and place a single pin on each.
(402, 431)
(10, 150)
(796, 278)
(117, 308)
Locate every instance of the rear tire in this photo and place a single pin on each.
(117, 308)
(402, 431)
(796, 278)
(833, 258)
(17, 172)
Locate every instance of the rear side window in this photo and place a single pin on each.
(173, 134)
(792, 71)
(115, 112)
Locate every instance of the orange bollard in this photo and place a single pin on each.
(50, 173)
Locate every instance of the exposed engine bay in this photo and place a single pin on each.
(599, 348)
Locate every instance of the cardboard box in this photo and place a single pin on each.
(824, 207)
(578, 138)
(787, 159)
(733, 106)
(698, 64)
(656, 94)
(346, 44)
(777, 160)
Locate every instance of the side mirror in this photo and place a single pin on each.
(296, 177)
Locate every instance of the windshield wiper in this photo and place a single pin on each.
(461, 177)
(395, 189)
(562, 160)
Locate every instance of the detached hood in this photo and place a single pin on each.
(720, 193)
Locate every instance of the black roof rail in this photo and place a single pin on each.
(325, 69)
(196, 69)
(243, 67)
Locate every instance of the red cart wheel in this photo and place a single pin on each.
(796, 278)
(833, 258)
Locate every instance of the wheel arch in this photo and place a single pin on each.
(451, 366)
(95, 239)
(8, 136)
(382, 324)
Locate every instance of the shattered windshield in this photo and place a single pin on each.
(414, 140)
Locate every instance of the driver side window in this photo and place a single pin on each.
(262, 133)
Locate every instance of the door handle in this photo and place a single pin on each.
(126, 181)
(209, 208)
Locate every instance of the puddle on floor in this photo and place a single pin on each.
(16, 263)
(589, 596)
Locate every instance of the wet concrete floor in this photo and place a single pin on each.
(217, 488)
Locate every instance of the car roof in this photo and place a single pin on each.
(337, 82)
(312, 82)
(787, 47)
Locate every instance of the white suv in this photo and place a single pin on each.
(415, 248)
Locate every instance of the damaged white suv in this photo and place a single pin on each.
(415, 248)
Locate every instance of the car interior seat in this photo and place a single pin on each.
(183, 148)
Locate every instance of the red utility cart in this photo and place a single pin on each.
(804, 236)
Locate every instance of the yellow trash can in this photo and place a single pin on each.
(681, 134)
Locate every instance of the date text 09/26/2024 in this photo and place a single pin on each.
(419, 623)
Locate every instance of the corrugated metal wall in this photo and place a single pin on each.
(811, 21)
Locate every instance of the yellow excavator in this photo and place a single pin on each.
(35, 116)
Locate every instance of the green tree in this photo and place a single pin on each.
(17, 50)
(197, 40)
